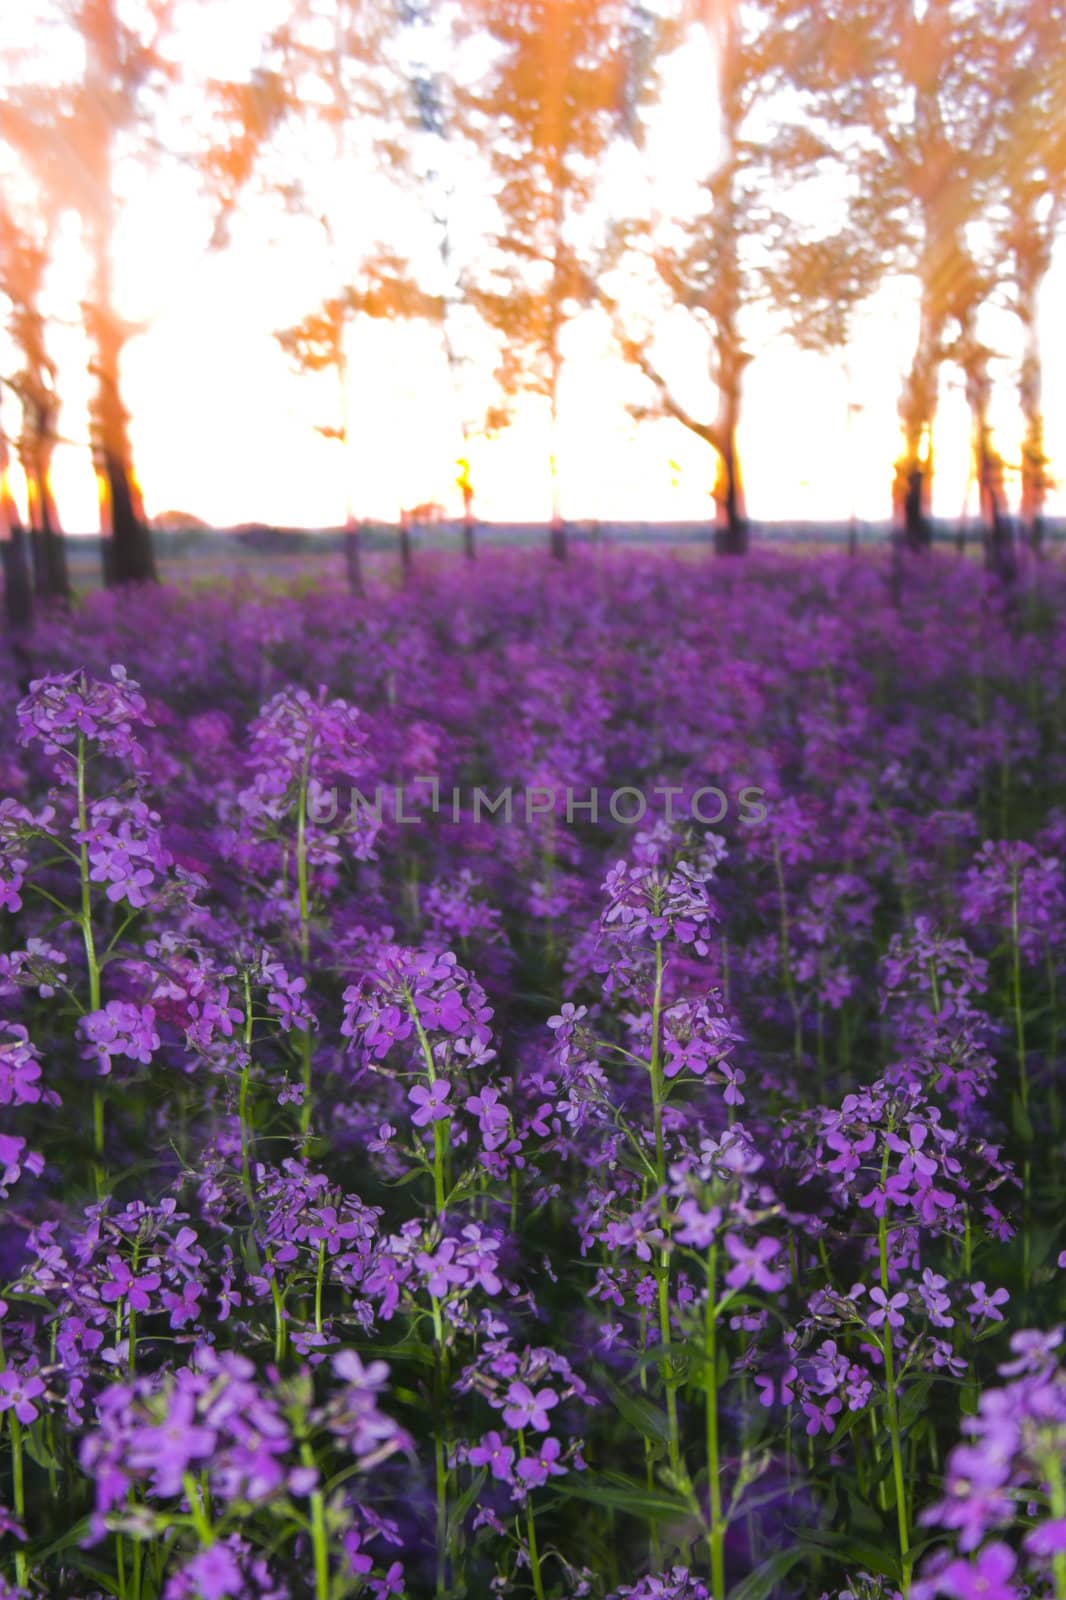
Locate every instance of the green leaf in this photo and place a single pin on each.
(636, 1499)
(408, 1177)
(37, 1449)
(72, 1536)
(1041, 1242)
(849, 1551)
(646, 1418)
(766, 1577)
(915, 1401)
(1021, 1120)
(409, 1350)
(457, 1512)
(99, 1576)
(864, 1518)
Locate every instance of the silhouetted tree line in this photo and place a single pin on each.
(934, 130)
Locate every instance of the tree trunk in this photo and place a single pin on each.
(132, 557)
(1030, 396)
(557, 542)
(913, 498)
(996, 532)
(469, 547)
(126, 543)
(914, 471)
(53, 548)
(731, 530)
(896, 567)
(407, 565)
(353, 559)
(51, 576)
(18, 593)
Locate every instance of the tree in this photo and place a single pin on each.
(326, 70)
(18, 595)
(699, 262)
(23, 262)
(542, 117)
(973, 289)
(818, 285)
(69, 135)
(431, 30)
(908, 98)
(1033, 206)
(318, 343)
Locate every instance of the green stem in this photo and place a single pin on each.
(21, 1564)
(280, 1332)
(242, 1105)
(786, 957)
(440, 1456)
(531, 1530)
(649, 1465)
(892, 1418)
(440, 1130)
(305, 934)
(319, 1537)
(1023, 1073)
(201, 1521)
(716, 1535)
(1016, 977)
(658, 1095)
(92, 962)
(1057, 1487)
(319, 1276)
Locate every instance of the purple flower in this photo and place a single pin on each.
(333, 1231)
(124, 848)
(698, 1227)
(214, 1574)
(692, 1055)
(912, 1146)
(120, 1029)
(60, 709)
(431, 1102)
(18, 1391)
(385, 1028)
(752, 1264)
(124, 1285)
(677, 1584)
(492, 1117)
(445, 1012)
(985, 1578)
(494, 1454)
(543, 1464)
(987, 1305)
(1048, 1540)
(974, 1498)
(525, 1409)
(20, 1067)
(165, 1450)
(442, 1271)
(16, 1159)
(887, 1310)
(820, 1417)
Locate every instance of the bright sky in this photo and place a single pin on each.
(222, 429)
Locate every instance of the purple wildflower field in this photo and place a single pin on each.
(423, 1178)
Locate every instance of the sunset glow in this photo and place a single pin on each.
(223, 429)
